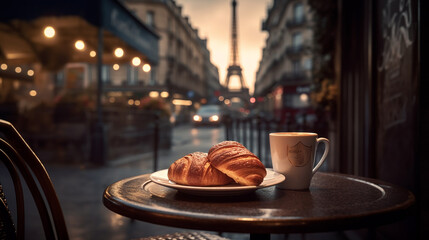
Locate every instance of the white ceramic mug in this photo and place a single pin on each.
(294, 155)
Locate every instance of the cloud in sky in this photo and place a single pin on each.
(212, 18)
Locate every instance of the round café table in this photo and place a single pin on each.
(334, 202)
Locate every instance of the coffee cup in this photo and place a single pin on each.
(293, 154)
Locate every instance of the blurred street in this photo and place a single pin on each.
(80, 189)
(112, 89)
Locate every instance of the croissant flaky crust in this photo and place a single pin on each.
(236, 161)
(194, 169)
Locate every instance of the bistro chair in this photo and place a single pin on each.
(24, 166)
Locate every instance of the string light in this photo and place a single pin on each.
(3, 66)
(49, 32)
(30, 72)
(92, 53)
(116, 67)
(146, 67)
(119, 52)
(136, 61)
(79, 45)
(18, 69)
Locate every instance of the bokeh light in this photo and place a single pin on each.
(164, 94)
(32, 93)
(153, 94)
(79, 45)
(49, 32)
(146, 67)
(119, 52)
(136, 61)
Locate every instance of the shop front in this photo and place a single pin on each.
(63, 67)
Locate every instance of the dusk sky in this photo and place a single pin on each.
(212, 18)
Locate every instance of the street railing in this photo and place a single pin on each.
(136, 131)
(253, 132)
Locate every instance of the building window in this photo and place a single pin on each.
(297, 40)
(308, 64)
(150, 18)
(296, 67)
(298, 12)
(169, 25)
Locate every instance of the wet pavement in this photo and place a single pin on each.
(80, 189)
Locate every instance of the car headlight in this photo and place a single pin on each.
(197, 118)
(214, 118)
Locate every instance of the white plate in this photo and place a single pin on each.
(272, 178)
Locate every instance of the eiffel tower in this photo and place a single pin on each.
(234, 68)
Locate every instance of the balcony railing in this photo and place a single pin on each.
(296, 22)
(294, 77)
(296, 50)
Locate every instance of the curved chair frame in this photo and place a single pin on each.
(20, 159)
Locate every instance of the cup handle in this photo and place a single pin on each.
(325, 154)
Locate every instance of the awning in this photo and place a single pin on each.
(22, 40)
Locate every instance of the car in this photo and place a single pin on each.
(208, 115)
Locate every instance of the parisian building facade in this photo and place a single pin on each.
(184, 67)
(283, 80)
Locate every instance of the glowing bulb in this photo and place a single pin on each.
(49, 32)
(146, 67)
(137, 102)
(79, 45)
(153, 94)
(119, 52)
(30, 72)
(32, 93)
(131, 102)
(18, 69)
(303, 97)
(164, 94)
(3, 66)
(92, 53)
(116, 67)
(136, 61)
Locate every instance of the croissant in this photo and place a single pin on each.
(237, 162)
(194, 169)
